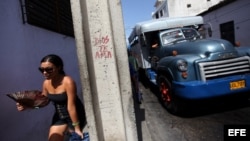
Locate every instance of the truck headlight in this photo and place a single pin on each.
(182, 65)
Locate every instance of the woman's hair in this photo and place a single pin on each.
(56, 60)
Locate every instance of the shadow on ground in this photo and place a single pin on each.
(139, 117)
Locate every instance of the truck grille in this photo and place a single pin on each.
(222, 68)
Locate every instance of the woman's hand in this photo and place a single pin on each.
(79, 132)
(20, 107)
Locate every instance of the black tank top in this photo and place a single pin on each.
(58, 98)
(60, 103)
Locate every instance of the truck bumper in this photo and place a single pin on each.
(211, 88)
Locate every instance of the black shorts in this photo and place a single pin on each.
(59, 121)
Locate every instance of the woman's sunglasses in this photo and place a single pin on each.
(47, 70)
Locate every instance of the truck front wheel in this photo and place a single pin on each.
(166, 96)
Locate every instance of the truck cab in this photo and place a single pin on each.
(175, 55)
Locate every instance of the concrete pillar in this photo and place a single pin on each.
(102, 54)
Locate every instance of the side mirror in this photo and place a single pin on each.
(209, 29)
(209, 32)
(205, 30)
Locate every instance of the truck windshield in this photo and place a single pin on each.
(171, 36)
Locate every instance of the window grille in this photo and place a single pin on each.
(53, 15)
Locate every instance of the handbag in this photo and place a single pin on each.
(75, 137)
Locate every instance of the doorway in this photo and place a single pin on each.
(227, 31)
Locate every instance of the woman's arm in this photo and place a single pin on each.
(44, 90)
(21, 107)
(71, 93)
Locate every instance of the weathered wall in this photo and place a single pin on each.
(22, 47)
(237, 12)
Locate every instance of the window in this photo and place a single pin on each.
(162, 13)
(54, 15)
(188, 5)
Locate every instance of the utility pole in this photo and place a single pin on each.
(103, 64)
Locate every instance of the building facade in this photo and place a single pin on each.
(179, 8)
(228, 18)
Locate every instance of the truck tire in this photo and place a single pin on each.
(168, 100)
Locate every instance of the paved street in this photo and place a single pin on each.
(203, 124)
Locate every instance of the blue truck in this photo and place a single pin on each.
(175, 55)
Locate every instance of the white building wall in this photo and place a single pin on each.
(237, 12)
(179, 8)
(22, 47)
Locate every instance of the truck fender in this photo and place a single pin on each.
(167, 72)
(243, 51)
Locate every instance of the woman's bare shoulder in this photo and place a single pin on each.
(45, 87)
(68, 79)
(46, 82)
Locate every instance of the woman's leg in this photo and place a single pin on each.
(56, 132)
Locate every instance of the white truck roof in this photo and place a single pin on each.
(164, 23)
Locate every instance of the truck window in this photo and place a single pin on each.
(170, 36)
(189, 33)
(155, 43)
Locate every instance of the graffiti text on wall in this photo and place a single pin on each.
(102, 44)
